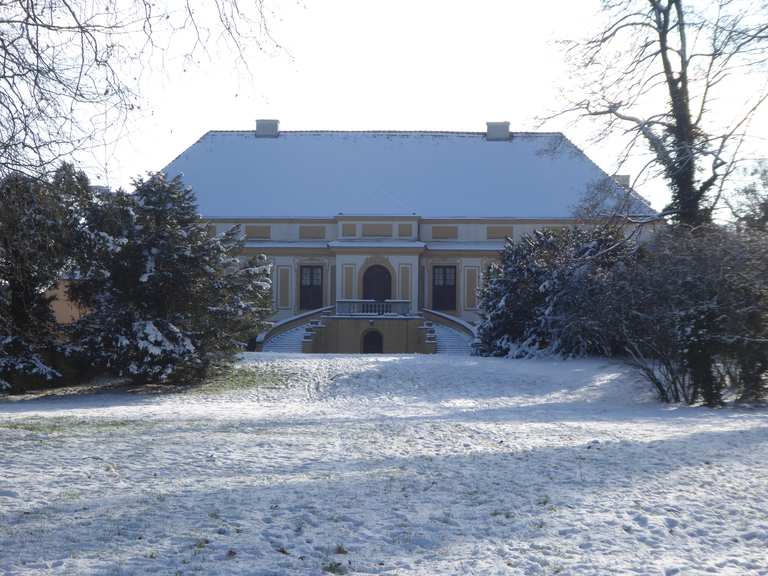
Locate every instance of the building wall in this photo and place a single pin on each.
(483, 230)
(470, 245)
(470, 272)
(345, 336)
(281, 230)
(286, 281)
(399, 265)
(394, 229)
(403, 228)
(64, 310)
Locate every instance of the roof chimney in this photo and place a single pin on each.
(622, 180)
(497, 131)
(267, 128)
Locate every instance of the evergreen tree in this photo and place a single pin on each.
(38, 224)
(510, 297)
(547, 293)
(168, 298)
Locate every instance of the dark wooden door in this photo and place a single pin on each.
(377, 283)
(444, 287)
(311, 296)
(373, 342)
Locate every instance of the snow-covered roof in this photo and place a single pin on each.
(429, 174)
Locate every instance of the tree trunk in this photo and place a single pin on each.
(752, 368)
(700, 362)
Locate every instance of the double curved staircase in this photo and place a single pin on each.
(443, 334)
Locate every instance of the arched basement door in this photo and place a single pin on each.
(377, 283)
(373, 342)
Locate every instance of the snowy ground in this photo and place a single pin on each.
(385, 465)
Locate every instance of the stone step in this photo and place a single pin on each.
(289, 341)
(450, 341)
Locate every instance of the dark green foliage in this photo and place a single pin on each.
(509, 299)
(688, 308)
(168, 299)
(547, 293)
(38, 229)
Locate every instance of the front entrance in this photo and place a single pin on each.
(373, 342)
(377, 283)
(311, 294)
(444, 287)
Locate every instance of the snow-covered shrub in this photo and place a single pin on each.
(38, 219)
(167, 298)
(548, 293)
(20, 363)
(695, 317)
(689, 308)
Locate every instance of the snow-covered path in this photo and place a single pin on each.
(385, 465)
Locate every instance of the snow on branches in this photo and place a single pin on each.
(169, 299)
(689, 308)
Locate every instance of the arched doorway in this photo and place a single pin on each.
(373, 342)
(377, 283)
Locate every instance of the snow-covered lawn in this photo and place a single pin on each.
(385, 465)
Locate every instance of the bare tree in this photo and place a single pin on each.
(69, 69)
(684, 79)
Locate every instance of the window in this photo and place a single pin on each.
(445, 275)
(444, 287)
(311, 293)
(311, 276)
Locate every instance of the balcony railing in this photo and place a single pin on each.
(373, 307)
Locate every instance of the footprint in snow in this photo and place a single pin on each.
(671, 523)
